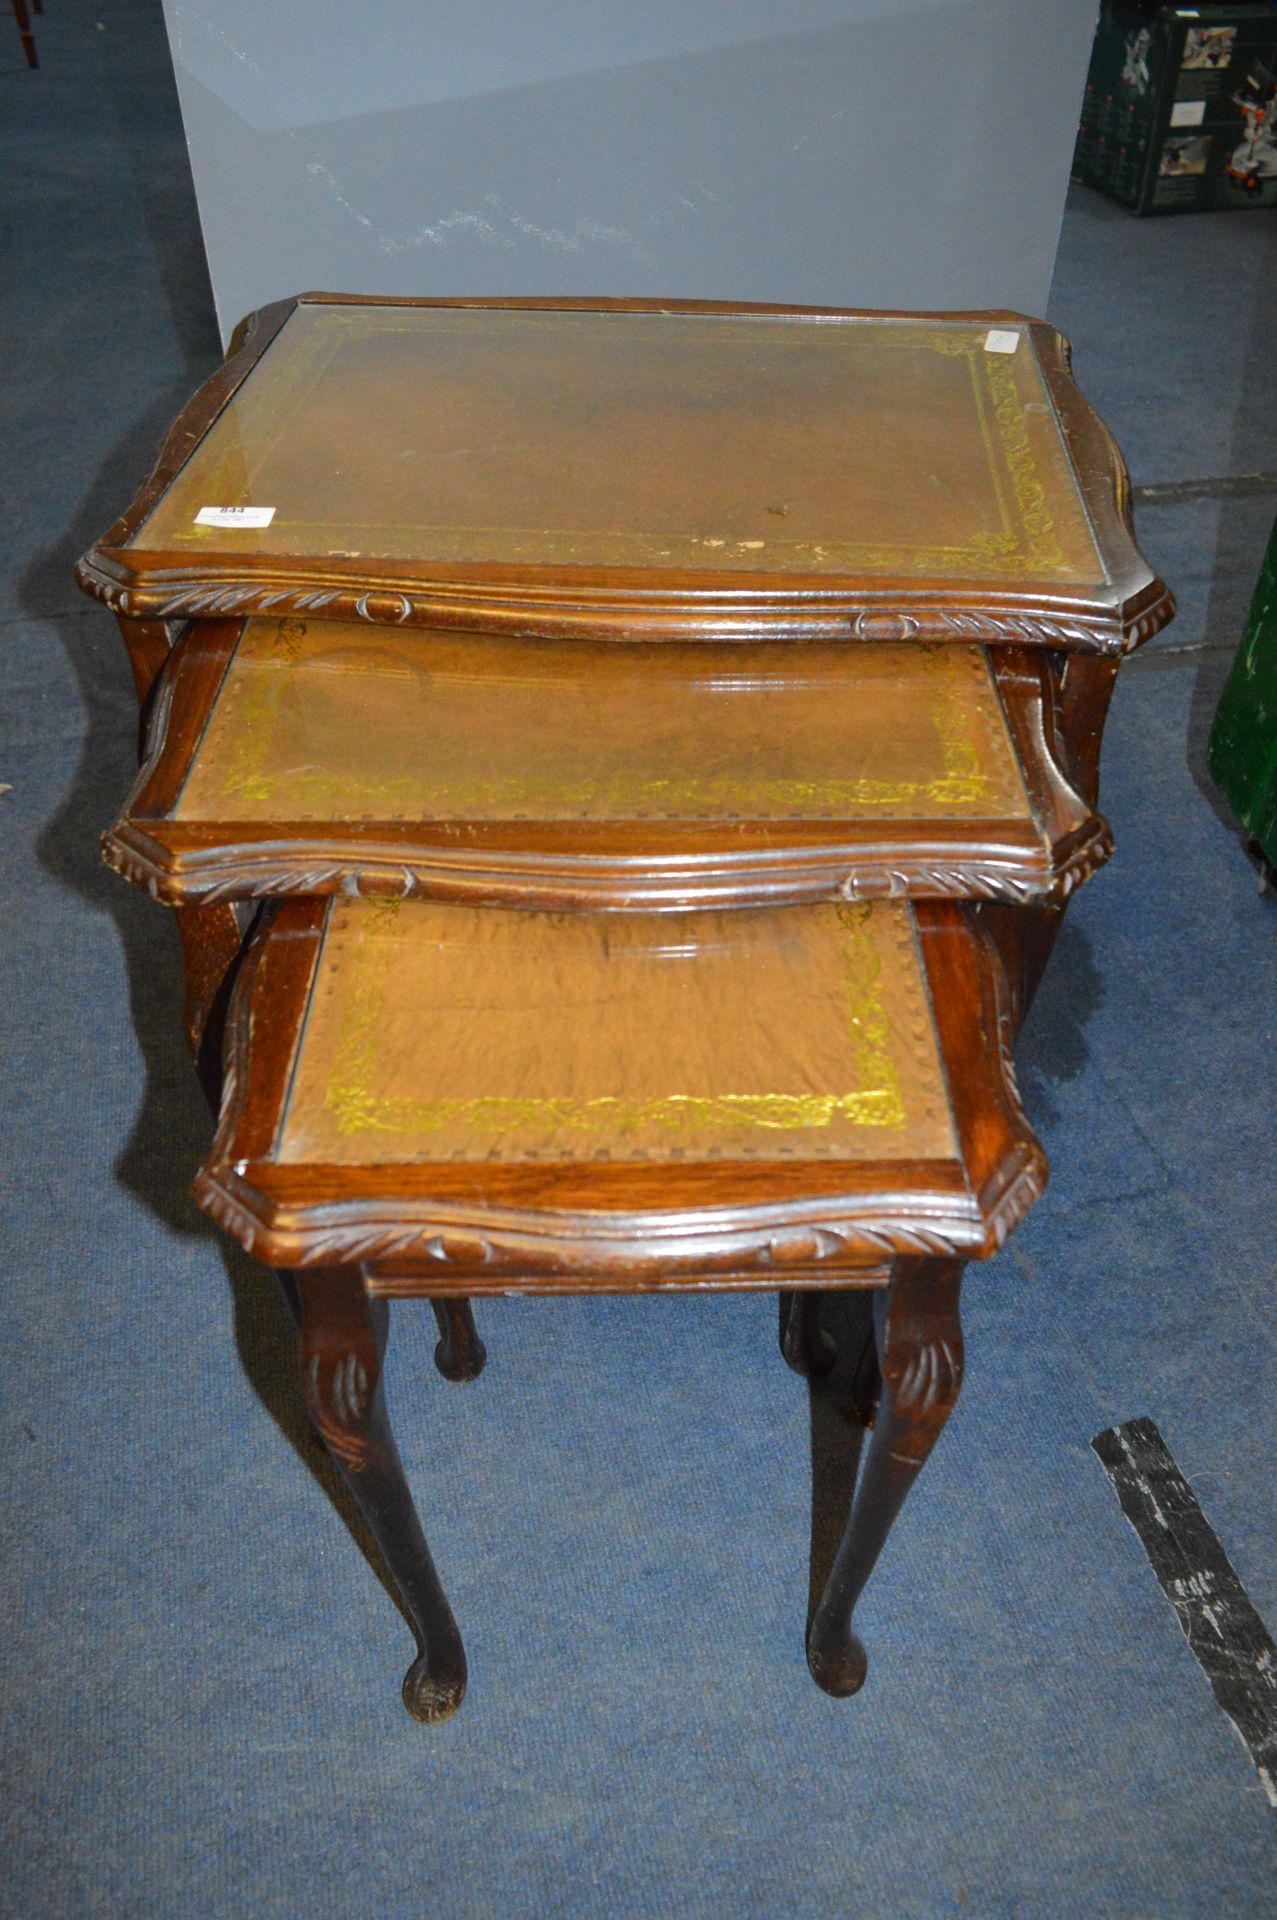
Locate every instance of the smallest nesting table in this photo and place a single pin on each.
(442, 1101)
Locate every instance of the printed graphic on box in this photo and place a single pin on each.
(1209, 46)
(1253, 166)
(1184, 156)
(1180, 110)
(1136, 77)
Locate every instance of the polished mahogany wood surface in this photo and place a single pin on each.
(474, 1099)
(434, 521)
(312, 756)
(635, 468)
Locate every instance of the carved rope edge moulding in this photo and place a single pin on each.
(535, 611)
(246, 875)
(560, 1251)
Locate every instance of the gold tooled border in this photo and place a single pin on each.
(877, 1103)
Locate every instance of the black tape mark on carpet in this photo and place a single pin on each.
(1231, 1642)
(1235, 486)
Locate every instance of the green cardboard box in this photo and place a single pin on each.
(1242, 754)
(1180, 113)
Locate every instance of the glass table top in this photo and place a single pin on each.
(728, 444)
(326, 722)
(438, 1033)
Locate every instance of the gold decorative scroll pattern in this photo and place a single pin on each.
(257, 772)
(355, 1109)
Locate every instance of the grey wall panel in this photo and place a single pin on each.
(856, 152)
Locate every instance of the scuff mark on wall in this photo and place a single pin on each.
(318, 171)
(574, 239)
(183, 19)
(501, 226)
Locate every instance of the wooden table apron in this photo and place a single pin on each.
(1064, 644)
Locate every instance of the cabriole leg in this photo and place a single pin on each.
(919, 1344)
(804, 1343)
(340, 1352)
(460, 1353)
(212, 941)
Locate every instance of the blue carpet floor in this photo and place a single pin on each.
(199, 1669)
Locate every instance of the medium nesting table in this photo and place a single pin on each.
(618, 770)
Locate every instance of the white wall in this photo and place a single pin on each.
(853, 152)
